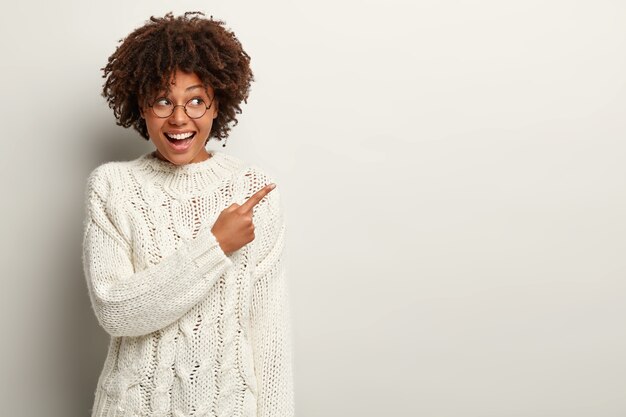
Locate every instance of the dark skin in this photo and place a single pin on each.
(234, 228)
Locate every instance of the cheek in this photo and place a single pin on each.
(204, 126)
(153, 127)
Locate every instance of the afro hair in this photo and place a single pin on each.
(146, 59)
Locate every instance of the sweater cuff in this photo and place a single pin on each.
(206, 251)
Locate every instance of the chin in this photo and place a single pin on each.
(181, 158)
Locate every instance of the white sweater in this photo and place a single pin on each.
(194, 332)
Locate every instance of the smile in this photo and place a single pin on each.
(180, 142)
(179, 136)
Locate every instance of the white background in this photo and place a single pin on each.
(453, 175)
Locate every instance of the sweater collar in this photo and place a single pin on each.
(180, 180)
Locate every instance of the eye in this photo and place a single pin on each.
(196, 101)
(162, 102)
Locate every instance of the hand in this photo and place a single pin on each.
(233, 227)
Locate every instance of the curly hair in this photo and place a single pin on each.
(144, 62)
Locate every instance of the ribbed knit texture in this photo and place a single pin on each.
(194, 332)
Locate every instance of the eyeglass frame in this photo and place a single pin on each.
(184, 106)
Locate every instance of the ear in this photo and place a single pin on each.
(216, 107)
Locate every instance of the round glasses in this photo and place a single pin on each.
(194, 108)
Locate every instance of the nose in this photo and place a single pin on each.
(179, 116)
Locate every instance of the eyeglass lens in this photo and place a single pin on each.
(195, 108)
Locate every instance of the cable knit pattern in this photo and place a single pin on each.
(194, 332)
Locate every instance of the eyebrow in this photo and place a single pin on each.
(193, 87)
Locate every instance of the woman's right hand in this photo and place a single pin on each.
(234, 228)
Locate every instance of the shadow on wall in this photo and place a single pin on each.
(82, 344)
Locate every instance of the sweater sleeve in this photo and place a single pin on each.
(270, 318)
(134, 303)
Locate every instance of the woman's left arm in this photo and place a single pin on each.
(270, 317)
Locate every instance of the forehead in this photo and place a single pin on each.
(182, 82)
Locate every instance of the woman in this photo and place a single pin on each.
(183, 248)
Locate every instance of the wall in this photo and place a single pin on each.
(453, 177)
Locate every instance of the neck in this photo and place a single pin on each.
(203, 155)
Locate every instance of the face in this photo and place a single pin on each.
(178, 138)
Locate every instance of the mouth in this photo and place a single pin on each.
(180, 142)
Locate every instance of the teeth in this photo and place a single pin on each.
(180, 136)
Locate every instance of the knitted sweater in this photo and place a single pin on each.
(194, 332)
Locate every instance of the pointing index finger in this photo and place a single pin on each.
(256, 197)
